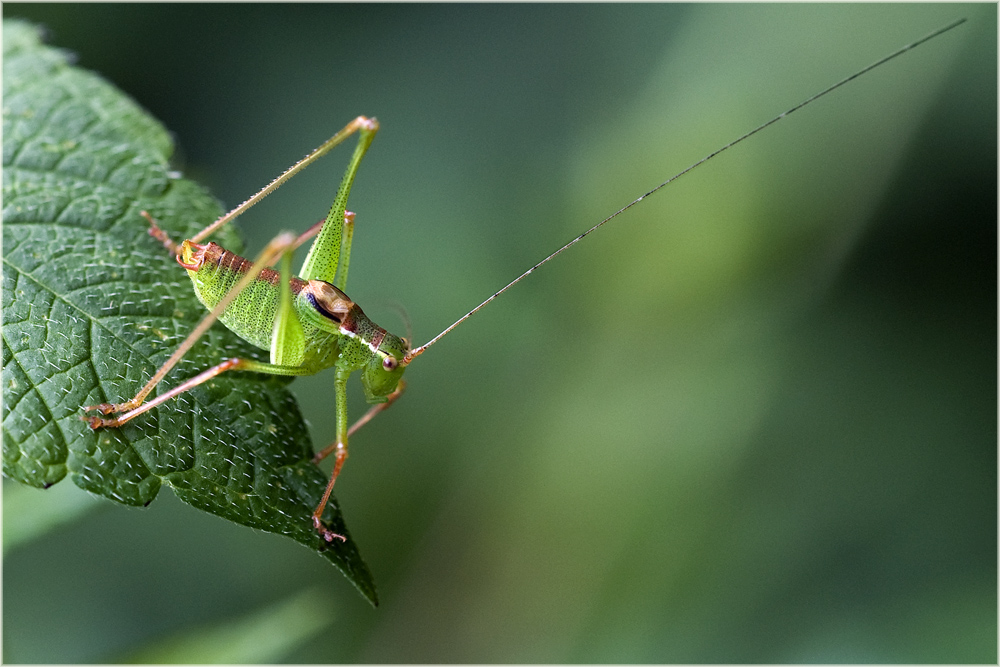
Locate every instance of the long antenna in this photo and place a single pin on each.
(420, 350)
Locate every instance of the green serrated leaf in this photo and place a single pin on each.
(92, 306)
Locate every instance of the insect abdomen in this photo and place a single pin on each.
(215, 270)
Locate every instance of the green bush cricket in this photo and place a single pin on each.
(308, 323)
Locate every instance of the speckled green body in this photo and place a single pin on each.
(252, 313)
(350, 343)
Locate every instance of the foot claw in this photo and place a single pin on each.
(93, 422)
(105, 409)
(324, 532)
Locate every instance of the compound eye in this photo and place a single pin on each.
(390, 363)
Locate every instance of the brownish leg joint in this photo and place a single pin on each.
(159, 234)
(365, 418)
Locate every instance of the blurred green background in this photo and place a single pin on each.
(753, 420)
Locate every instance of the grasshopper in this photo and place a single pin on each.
(307, 322)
